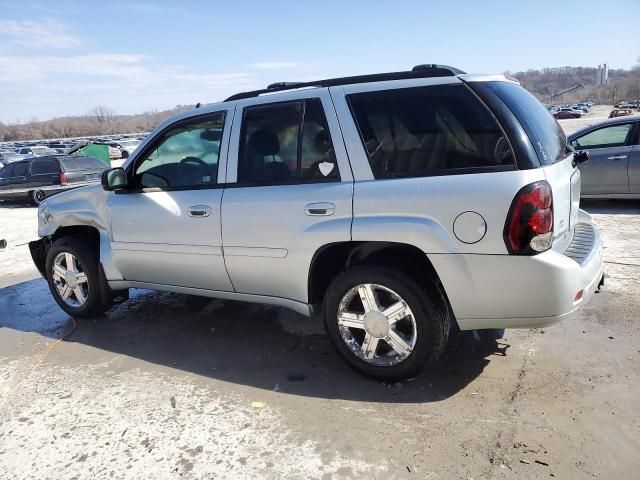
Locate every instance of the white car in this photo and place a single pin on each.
(401, 206)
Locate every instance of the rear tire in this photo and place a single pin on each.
(403, 345)
(36, 196)
(74, 277)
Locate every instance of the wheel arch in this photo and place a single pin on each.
(330, 260)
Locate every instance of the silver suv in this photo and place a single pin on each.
(401, 205)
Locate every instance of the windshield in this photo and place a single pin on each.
(543, 130)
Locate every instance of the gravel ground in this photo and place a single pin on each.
(170, 386)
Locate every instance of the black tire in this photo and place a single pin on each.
(36, 196)
(97, 299)
(427, 303)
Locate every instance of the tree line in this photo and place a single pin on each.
(622, 85)
(101, 120)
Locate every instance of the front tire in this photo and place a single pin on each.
(74, 278)
(384, 324)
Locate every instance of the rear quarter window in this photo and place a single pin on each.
(547, 138)
(44, 166)
(435, 130)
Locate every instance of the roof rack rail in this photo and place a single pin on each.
(419, 71)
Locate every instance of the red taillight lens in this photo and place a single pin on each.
(63, 178)
(529, 226)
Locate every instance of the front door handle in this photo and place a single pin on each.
(320, 209)
(617, 157)
(199, 211)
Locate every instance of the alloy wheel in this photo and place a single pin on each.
(377, 325)
(70, 280)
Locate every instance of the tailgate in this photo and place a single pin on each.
(564, 179)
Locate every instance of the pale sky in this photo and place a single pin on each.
(64, 57)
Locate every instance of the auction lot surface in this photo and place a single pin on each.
(169, 386)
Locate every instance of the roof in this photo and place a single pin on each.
(419, 71)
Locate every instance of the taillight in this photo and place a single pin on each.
(529, 226)
(63, 178)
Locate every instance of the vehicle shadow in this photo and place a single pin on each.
(16, 204)
(610, 207)
(247, 344)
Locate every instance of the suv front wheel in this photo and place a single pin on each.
(73, 277)
(383, 323)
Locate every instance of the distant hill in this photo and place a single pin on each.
(99, 121)
(622, 84)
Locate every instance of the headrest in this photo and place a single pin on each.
(265, 142)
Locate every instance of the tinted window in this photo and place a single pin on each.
(613, 136)
(76, 163)
(7, 171)
(21, 169)
(427, 130)
(543, 130)
(186, 156)
(44, 166)
(286, 143)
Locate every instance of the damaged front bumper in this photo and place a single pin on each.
(39, 249)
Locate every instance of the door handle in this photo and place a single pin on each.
(199, 211)
(617, 157)
(319, 209)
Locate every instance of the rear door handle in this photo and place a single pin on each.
(319, 209)
(617, 157)
(199, 211)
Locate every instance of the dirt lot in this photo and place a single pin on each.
(168, 386)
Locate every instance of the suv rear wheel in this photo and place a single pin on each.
(36, 196)
(383, 323)
(74, 278)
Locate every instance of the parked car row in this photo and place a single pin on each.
(120, 146)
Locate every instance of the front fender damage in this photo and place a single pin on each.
(39, 250)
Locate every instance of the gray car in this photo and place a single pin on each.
(613, 169)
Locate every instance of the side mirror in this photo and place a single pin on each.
(580, 156)
(114, 179)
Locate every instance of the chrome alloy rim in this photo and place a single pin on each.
(70, 280)
(38, 196)
(377, 324)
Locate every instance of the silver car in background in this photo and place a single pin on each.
(613, 168)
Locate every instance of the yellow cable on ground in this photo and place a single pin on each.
(40, 361)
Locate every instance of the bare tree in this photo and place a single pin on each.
(103, 114)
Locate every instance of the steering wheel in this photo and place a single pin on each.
(502, 150)
(188, 176)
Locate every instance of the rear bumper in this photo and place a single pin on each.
(505, 291)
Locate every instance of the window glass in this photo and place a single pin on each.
(543, 130)
(7, 172)
(44, 166)
(80, 162)
(21, 169)
(274, 149)
(184, 157)
(423, 131)
(613, 136)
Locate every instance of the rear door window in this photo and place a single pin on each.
(286, 142)
(44, 166)
(424, 131)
